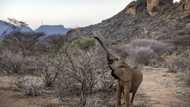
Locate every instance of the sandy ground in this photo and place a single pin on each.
(164, 89)
(159, 89)
(9, 97)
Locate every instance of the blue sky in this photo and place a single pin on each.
(71, 13)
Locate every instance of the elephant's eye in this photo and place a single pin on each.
(116, 59)
(110, 62)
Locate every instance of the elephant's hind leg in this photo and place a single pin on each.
(133, 96)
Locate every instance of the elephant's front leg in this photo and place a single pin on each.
(127, 88)
(118, 95)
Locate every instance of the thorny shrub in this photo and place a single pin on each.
(30, 85)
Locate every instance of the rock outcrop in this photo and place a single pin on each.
(152, 7)
(186, 7)
(132, 8)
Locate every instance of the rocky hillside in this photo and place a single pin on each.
(169, 23)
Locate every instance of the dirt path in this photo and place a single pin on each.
(162, 88)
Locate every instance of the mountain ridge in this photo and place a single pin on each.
(52, 30)
(7, 28)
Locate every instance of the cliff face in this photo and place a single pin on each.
(167, 24)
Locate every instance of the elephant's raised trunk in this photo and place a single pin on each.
(103, 46)
(110, 57)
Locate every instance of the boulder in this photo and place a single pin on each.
(152, 7)
(186, 7)
(132, 8)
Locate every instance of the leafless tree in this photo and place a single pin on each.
(82, 71)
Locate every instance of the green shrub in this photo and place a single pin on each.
(83, 43)
(1, 43)
(140, 2)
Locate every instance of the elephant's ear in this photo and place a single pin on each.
(123, 73)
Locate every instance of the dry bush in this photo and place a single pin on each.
(157, 46)
(49, 75)
(30, 85)
(144, 51)
(141, 55)
(46, 67)
(175, 63)
(179, 61)
(11, 62)
(81, 73)
(185, 60)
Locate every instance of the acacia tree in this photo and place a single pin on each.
(17, 22)
(22, 42)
